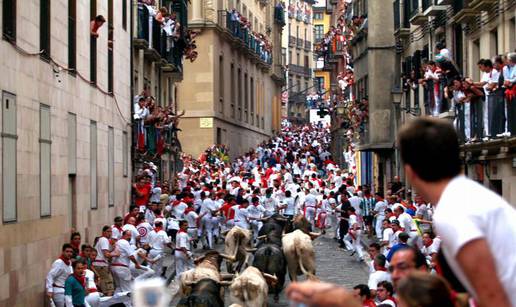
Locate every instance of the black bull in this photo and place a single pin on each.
(269, 257)
(205, 293)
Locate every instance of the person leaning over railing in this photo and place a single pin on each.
(509, 76)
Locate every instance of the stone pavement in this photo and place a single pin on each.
(333, 265)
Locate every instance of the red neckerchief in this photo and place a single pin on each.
(66, 261)
(181, 231)
(118, 227)
(241, 207)
(188, 210)
(158, 229)
(382, 269)
(429, 243)
(81, 280)
(75, 246)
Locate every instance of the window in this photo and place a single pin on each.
(72, 144)
(307, 61)
(221, 84)
(111, 166)
(493, 42)
(318, 16)
(246, 97)
(45, 141)
(9, 139)
(111, 46)
(251, 108)
(232, 78)
(124, 14)
(318, 33)
(72, 33)
(458, 46)
(93, 165)
(306, 30)
(9, 20)
(125, 153)
(93, 45)
(44, 28)
(298, 59)
(239, 88)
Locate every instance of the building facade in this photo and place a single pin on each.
(470, 30)
(157, 68)
(66, 131)
(232, 92)
(321, 26)
(300, 59)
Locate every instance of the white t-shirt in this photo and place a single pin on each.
(376, 277)
(126, 251)
(406, 222)
(291, 206)
(380, 207)
(102, 244)
(468, 211)
(182, 240)
(158, 240)
(191, 218)
(255, 211)
(143, 231)
(388, 233)
(134, 232)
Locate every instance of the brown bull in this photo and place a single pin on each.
(206, 267)
(250, 289)
(237, 245)
(300, 254)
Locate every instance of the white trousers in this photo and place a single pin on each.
(357, 244)
(207, 230)
(378, 226)
(143, 273)
(183, 262)
(242, 224)
(157, 266)
(93, 299)
(122, 277)
(192, 232)
(59, 297)
(255, 227)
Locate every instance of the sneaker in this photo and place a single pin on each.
(507, 134)
(500, 135)
(485, 139)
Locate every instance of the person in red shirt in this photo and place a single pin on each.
(227, 212)
(141, 191)
(133, 212)
(362, 293)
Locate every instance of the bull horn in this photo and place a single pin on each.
(224, 233)
(190, 283)
(272, 279)
(314, 235)
(261, 237)
(282, 219)
(228, 258)
(250, 250)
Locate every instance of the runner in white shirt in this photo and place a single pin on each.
(255, 213)
(396, 228)
(241, 214)
(379, 211)
(92, 294)
(120, 264)
(289, 207)
(183, 254)
(117, 228)
(101, 262)
(143, 272)
(192, 218)
(269, 203)
(310, 205)
(158, 241)
(135, 236)
(430, 248)
(208, 209)
(355, 233)
(387, 234)
(380, 274)
(144, 229)
(56, 277)
(408, 225)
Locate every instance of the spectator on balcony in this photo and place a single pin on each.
(462, 108)
(509, 84)
(431, 81)
(96, 24)
(140, 109)
(489, 82)
(498, 124)
(474, 98)
(442, 52)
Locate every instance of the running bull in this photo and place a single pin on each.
(250, 289)
(237, 248)
(300, 254)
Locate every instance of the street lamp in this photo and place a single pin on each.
(397, 94)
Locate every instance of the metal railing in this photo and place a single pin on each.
(291, 41)
(300, 70)
(308, 45)
(244, 35)
(299, 42)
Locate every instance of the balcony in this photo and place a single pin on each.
(481, 5)
(152, 40)
(279, 74)
(462, 13)
(431, 8)
(279, 16)
(299, 43)
(300, 70)
(291, 41)
(417, 17)
(243, 39)
(308, 45)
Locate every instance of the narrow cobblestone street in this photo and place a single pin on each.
(333, 265)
